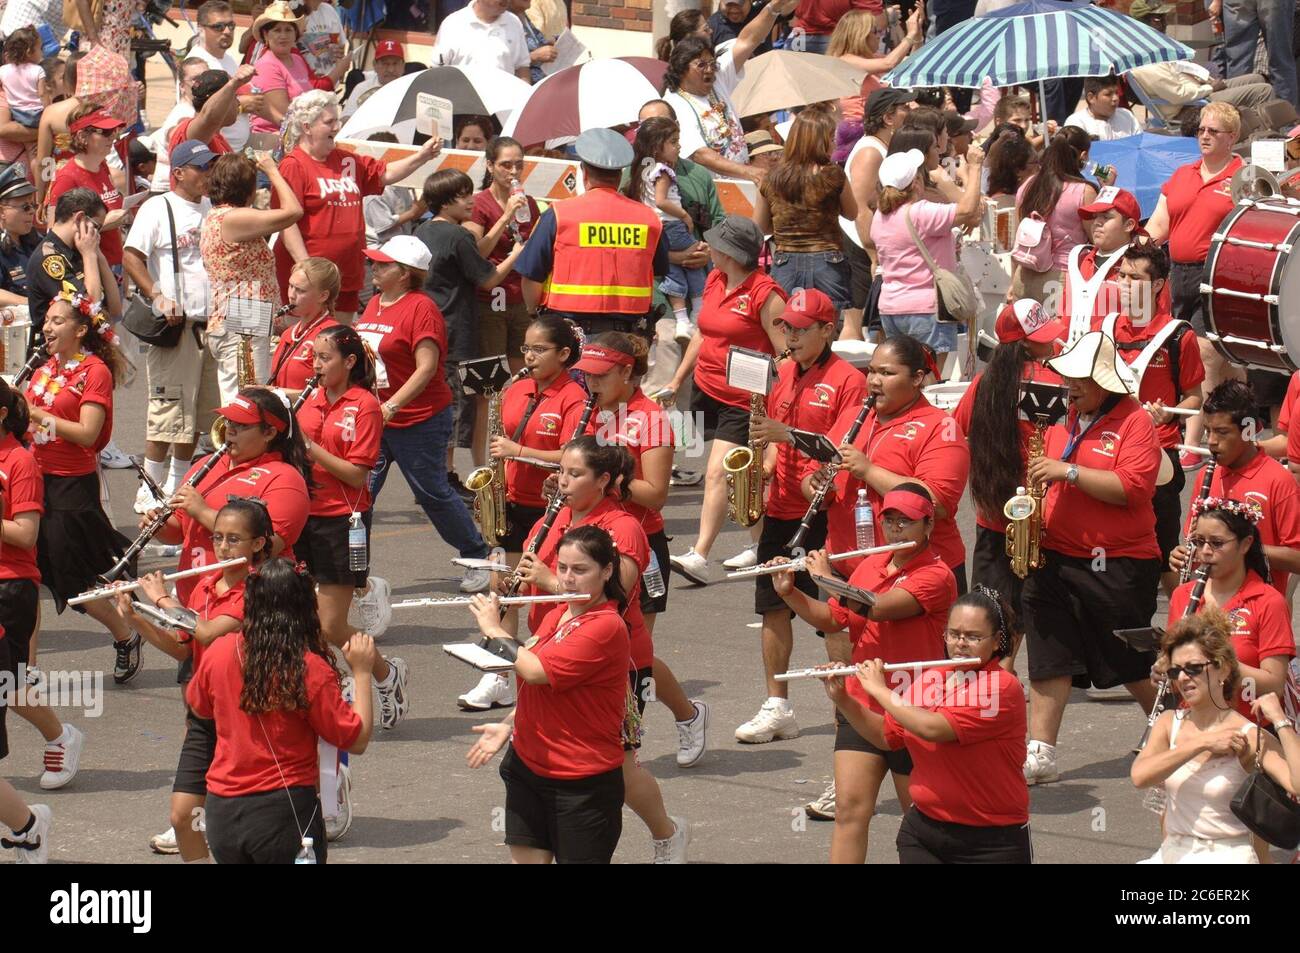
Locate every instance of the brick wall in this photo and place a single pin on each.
(613, 14)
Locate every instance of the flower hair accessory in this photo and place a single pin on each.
(92, 310)
(1249, 510)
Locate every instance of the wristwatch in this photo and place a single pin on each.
(1072, 474)
(1284, 723)
(391, 407)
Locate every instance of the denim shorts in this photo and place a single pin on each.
(941, 336)
(827, 271)
(681, 282)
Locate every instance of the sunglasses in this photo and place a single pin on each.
(1191, 669)
(220, 27)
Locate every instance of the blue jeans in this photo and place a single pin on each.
(827, 271)
(941, 336)
(812, 43)
(681, 282)
(420, 451)
(1242, 22)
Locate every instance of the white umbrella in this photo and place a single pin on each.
(594, 95)
(472, 89)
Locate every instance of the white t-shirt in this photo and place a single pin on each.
(360, 93)
(158, 142)
(711, 122)
(323, 24)
(237, 132)
(151, 237)
(1118, 126)
(465, 40)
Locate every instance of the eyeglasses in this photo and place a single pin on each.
(1215, 544)
(897, 522)
(220, 27)
(25, 207)
(538, 349)
(231, 540)
(1207, 131)
(957, 637)
(1191, 669)
(705, 65)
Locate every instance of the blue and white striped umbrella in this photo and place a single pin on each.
(1036, 41)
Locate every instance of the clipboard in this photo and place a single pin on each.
(845, 592)
(486, 655)
(483, 375)
(815, 445)
(750, 370)
(1141, 640)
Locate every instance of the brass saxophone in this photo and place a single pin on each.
(744, 469)
(247, 372)
(488, 483)
(1025, 512)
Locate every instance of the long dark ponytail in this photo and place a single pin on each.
(350, 344)
(18, 419)
(996, 468)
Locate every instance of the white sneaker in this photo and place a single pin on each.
(61, 759)
(822, 809)
(164, 843)
(747, 558)
(492, 691)
(113, 458)
(476, 580)
(692, 565)
(34, 846)
(145, 500)
(1040, 763)
(691, 736)
(336, 827)
(672, 850)
(375, 606)
(393, 700)
(685, 328)
(773, 722)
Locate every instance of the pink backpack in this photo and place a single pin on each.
(1033, 248)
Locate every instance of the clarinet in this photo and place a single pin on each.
(819, 496)
(1193, 603)
(37, 358)
(1185, 573)
(158, 522)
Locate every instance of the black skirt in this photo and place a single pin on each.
(76, 542)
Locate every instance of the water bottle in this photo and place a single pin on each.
(522, 214)
(1098, 171)
(357, 561)
(307, 853)
(864, 521)
(653, 578)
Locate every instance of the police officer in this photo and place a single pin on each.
(17, 239)
(594, 258)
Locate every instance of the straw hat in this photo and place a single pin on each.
(278, 12)
(1093, 357)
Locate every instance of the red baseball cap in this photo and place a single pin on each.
(98, 120)
(243, 411)
(1121, 200)
(601, 360)
(389, 48)
(1026, 319)
(807, 307)
(912, 505)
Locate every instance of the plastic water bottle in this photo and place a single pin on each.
(357, 561)
(653, 578)
(522, 214)
(864, 521)
(307, 854)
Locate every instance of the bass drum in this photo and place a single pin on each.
(1251, 274)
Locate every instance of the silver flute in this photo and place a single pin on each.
(107, 592)
(891, 667)
(798, 565)
(505, 601)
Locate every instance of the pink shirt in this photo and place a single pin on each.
(908, 286)
(272, 74)
(1064, 222)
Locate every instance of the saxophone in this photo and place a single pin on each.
(247, 372)
(1025, 512)
(744, 469)
(488, 483)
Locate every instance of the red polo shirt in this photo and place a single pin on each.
(1269, 484)
(730, 318)
(922, 443)
(553, 423)
(572, 727)
(639, 425)
(918, 638)
(1123, 441)
(1284, 418)
(1196, 208)
(90, 382)
(350, 428)
(295, 354)
(810, 400)
(820, 16)
(210, 604)
(24, 492)
(978, 780)
(1158, 380)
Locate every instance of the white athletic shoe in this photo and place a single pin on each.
(823, 808)
(393, 700)
(773, 722)
(336, 827)
(691, 736)
(145, 500)
(1040, 763)
(692, 565)
(112, 458)
(684, 328)
(34, 846)
(492, 691)
(61, 759)
(672, 850)
(476, 580)
(375, 606)
(164, 843)
(747, 558)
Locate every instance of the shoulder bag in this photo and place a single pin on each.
(142, 319)
(955, 296)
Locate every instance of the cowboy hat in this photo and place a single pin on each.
(1093, 357)
(278, 12)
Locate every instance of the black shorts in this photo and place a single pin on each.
(848, 739)
(263, 828)
(197, 751)
(774, 541)
(923, 840)
(1185, 294)
(1072, 612)
(1268, 387)
(521, 520)
(990, 566)
(658, 546)
(1167, 502)
(859, 273)
(20, 604)
(641, 680)
(578, 821)
(323, 546)
(721, 421)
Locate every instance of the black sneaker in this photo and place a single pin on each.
(128, 659)
(682, 477)
(461, 490)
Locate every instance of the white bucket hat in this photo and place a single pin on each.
(1093, 357)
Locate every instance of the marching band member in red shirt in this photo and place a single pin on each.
(70, 401)
(1244, 472)
(564, 771)
(1090, 288)
(964, 732)
(813, 390)
(273, 692)
(313, 289)
(614, 364)
(914, 590)
(1101, 467)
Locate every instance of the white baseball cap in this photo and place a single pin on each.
(898, 171)
(405, 250)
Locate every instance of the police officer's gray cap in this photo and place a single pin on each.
(14, 183)
(604, 149)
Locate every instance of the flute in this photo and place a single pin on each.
(1180, 411)
(535, 462)
(505, 601)
(1199, 451)
(106, 592)
(891, 667)
(828, 475)
(798, 565)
